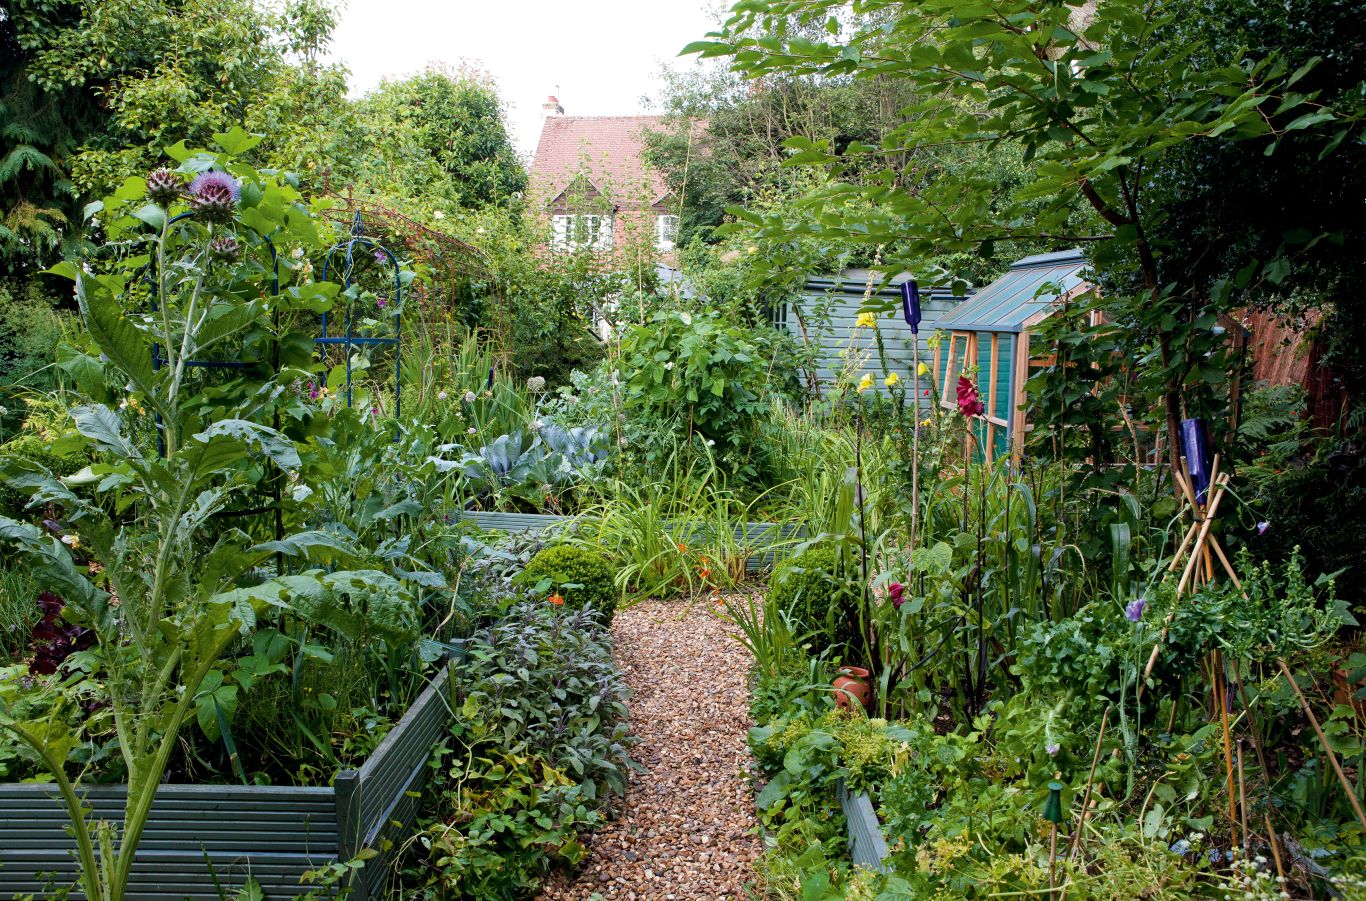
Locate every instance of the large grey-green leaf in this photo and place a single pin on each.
(278, 448)
(102, 425)
(52, 565)
(124, 346)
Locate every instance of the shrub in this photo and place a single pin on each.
(820, 598)
(538, 749)
(580, 575)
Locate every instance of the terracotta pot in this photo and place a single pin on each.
(852, 682)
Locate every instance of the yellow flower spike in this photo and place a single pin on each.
(865, 320)
(891, 380)
(865, 383)
(922, 369)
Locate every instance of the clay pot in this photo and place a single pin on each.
(852, 682)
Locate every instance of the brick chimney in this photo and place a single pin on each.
(552, 107)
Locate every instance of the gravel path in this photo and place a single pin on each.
(688, 829)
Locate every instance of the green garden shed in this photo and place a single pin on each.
(990, 333)
(825, 318)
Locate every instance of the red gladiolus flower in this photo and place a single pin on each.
(896, 591)
(969, 398)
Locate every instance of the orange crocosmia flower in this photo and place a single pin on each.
(682, 548)
(556, 599)
(705, 572)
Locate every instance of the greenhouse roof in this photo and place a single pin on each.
(1008, 303)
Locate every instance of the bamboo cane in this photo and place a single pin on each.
(1185, 578)
(1090, 780)
(1323, 740)
(1242, 799)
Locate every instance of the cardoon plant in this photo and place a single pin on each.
(168, 597)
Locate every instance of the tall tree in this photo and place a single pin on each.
(1092, 101)
(440, 136)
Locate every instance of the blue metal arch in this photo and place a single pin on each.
(348, 339)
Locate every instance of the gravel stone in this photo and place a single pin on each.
(688, 831)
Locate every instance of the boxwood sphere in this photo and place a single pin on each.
(821, 599)
(586, 570)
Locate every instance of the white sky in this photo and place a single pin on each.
(605, 56)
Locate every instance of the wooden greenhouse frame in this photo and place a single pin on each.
(991, 331)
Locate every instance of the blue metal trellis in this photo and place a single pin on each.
(349, 339)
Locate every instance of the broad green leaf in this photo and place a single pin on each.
(125, 347)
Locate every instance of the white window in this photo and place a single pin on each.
(666, 232)
(581, 232)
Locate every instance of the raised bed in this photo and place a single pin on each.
(199, 833)
(867, 847)
(768, 539)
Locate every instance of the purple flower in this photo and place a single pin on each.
(1263, 526)
(216, 180)
(896, 592)
(382, 302)
(214, 196)
(1052, 750)
(312, 391)
(379, 256)
(1134, 611)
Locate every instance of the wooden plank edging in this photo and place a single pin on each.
(867, 847)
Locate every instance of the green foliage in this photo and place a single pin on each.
(439, 136)
(171, 596)
(538, 749)
(580, 575)
(820, 597)
(700, 378)
(1092, 100)
(32, 451)
(31, 327)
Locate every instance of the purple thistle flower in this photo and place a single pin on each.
(1133, 612)
(1262, 527)
(214, 196)
(220, 180)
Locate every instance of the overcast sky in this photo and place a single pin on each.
(603, 56)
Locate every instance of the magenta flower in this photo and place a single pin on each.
(896, 591)
(312, 391)
(969, 398)
(382, 302)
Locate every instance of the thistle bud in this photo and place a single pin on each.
(164, 187)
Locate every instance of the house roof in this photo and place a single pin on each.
(608, 150)
(1007, 304)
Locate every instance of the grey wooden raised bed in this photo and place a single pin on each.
(768, 539)
(867, 847)
(272, 833)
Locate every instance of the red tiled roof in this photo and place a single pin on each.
(607, 149)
